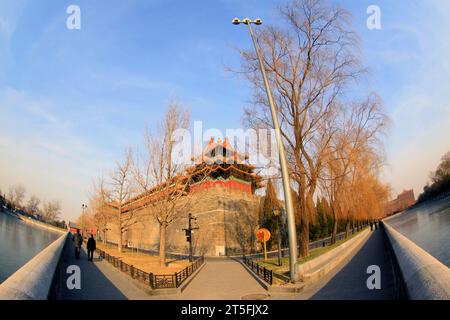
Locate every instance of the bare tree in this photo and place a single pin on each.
(84, 221)
(33, 205)
(16, 196)
(2, 200)
(51, 210)
(102, 210)
(310, 63)
(354, 146)
(440, 180)
(163, 181)
(120, 192)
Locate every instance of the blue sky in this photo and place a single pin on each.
(72, 100)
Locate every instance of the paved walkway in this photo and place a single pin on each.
(348, 281)
(219, 279)
(227, 279)
(99, 280)
(222, 279)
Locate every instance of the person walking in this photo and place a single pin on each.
(91, 246)
(371, 225)
(78, 240)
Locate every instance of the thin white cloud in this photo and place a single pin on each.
(9, 15)
(421, 109)
(41, 151)
(6, 28)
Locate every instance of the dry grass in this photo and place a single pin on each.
(145, 262)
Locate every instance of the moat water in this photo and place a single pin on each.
(428, 226)
(19, 242)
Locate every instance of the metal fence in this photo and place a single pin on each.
(155, 281)
(176, 279)
(267, 275)
(340, 236)
(262, 272)
(312, 245)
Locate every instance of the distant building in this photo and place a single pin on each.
(73, 227)
(403, 201)
(86, 231)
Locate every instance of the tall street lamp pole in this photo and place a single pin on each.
(83, 207)
(277, 214)
(293, 256)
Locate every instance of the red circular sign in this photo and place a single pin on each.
(263, 235)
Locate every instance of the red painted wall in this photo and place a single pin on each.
(232, 184)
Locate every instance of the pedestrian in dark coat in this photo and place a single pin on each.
(91, 246)
(78, 241)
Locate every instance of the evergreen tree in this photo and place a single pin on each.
(321, 228)
(271, 203)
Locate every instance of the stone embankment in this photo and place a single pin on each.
(35, 279)
(424, 277)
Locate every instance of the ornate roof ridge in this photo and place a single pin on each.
(238, 157)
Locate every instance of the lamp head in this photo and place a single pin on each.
(247, 21)
(257, 21)
(236, 21)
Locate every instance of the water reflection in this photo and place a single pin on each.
(19, 242)
(428, 225)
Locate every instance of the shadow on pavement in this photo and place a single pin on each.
(94, 284)
(350, 283)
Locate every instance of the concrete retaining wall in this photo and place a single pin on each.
(315, 269)
(34, 280)
(34, 222)
(425, 277)
(42, 225)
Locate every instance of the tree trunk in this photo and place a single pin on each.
(300, 215)
(307, 216)
(119, 243)
(162, 245)
(347, 229)
(334, 234)
(304, 239)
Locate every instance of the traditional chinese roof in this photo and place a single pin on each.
(219, 159)
(220, 152)
(222, 159)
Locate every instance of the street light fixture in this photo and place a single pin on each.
(293, 255)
